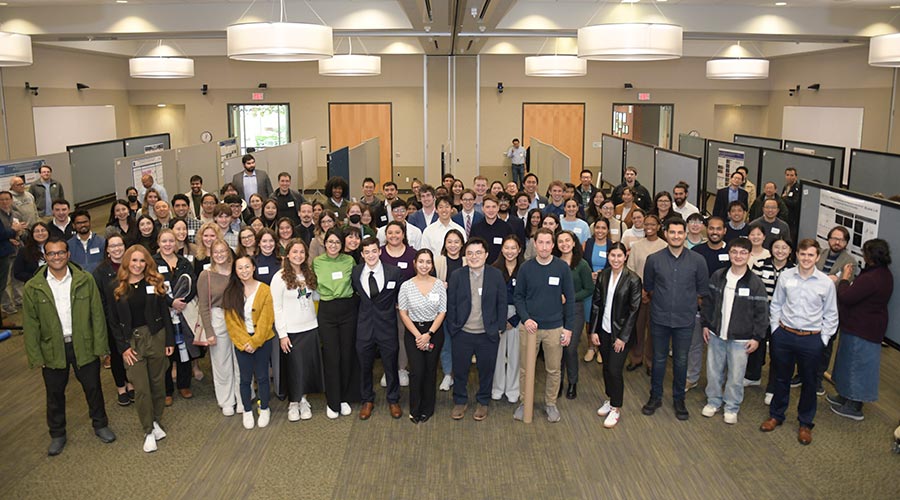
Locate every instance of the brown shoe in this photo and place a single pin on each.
(186, 393)
(106, 362)
(459, 412)
(481, 412)
(769, 425)
(169, 400)
(366, 411)
(396, 412)
(804, 435)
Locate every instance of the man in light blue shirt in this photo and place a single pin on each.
(803, 316)
(517, 154)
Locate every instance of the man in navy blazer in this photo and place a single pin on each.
(468, 211)
(476, 315)
(377, 286)
(428, 214)
(732, 190)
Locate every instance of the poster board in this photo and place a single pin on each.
(364, 162)
(822, 207)
(673, 167)
(339, 164)
(612, 159)
(147, 144)
(722, 158)
(56, 127)
(874, 172)
(824, 125)
(763, 142)
(837, 152)
(284, 158)
(202, 160)
(774, 162)
(548, 162)
(128, 171)
(29, 170)
(91, 166)
(642, 157)
(309, 164)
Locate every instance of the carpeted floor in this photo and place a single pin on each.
(210, 456)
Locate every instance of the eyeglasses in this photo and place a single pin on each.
(59, 253)
(115, 245)
(741, 252)
(475, 252)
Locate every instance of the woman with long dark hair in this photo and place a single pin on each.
(532, 224)
(143, 331)
(595, 252)
(592, 211)
(293, 294)
(270, 214)
(146, 234)
(506, 372)
(247, 243)
(121, 221)
(254, 208)
(285, 230)
(450, 259)
(31, 257)
(569, 250)
(105, 275)
(268, 262)
(249, 317)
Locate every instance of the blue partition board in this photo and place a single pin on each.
(339, 166)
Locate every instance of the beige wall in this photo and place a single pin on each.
(747, 120)
(149, 120)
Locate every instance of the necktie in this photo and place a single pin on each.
(468, 224)
(373, 286)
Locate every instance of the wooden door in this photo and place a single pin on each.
(353, 123)
(561, 126)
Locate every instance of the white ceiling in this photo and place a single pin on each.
(403, 26)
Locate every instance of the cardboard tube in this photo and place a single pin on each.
(530, 360)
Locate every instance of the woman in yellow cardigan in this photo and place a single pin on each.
(249, 317)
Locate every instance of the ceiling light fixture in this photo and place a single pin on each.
(884, 50)
(163, 62)
(737, 63)
(15, 49)
(351, 64)
(630, 42)
(780, 4)
(279, 41)
(555, 65)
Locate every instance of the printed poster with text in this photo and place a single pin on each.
(860, 217)
(729, 160)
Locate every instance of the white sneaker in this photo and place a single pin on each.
(293, 412)
(404, 378)
(611, 419)
(331, 413)
(149, 443)
(228, 411)
(605, 409)
(446, 383)
(345, 409)
(730, 418)
(384, 381)
(751, 383)
(248, 420)
(158, 433)
(264, 416)
(305, 410)
(769, 397)
(709, 411)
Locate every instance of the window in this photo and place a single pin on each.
(259, 126)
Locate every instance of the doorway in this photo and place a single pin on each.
(559, 125)
(351, 124)
(646, 123)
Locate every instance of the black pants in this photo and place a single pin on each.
(484, 347)
(183, 376)
(755, 362)
(116, 365)
(613, 363)
(337, 328)
(423, 370)
(55, 380)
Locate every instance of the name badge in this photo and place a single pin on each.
(290, 203)
(191, 232)
(162, 269)
(402, 265)
(391, 285)
(190, 258)
(151, 290)
(601, 254)
(94, 251)
(263, 270)
(553, 281)
(723, 257)
(542, 205)
(433, 297)
(614, 231)
(767, 274)
(743, 292)
(775, 230)
(577, 231)
(384, 218)
(479, 291)
(337, 275)
(206, 266)
(514, 282)
(498, 241)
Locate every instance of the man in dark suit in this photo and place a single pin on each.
(251, 181)
(377, 286)
(732, 192)
(468, 216)
(476, 315)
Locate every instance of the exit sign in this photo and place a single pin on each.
(643, 96)
(259, 96)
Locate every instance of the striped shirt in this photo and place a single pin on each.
(767, 272)
(422, 308)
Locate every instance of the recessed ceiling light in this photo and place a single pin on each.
(160, 105)
(121, 1)
(780, 4)
(892, 6)
(4, 4)
(630, 1)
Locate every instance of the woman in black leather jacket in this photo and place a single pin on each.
(617, 297)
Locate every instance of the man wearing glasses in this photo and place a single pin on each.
(832, 263)
(65, 327)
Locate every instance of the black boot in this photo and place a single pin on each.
(572, 392)
(681, 412)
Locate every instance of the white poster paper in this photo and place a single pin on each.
(151, 165)
(729, 160)
(860, 217)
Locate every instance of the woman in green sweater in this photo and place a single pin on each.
(568, 249)
(337, 325)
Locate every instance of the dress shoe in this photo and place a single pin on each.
(572, 391)
(366, 411)
(106, 363)
(414, 419)
(589, 355)
(186, 393)
(458, 412)
(169, 400)
(481, 412)
(56, 446)
(681, 411)
(123, 399)
(804, 435)
(652, 405)
(424, 418)
(630, 367)
(105, 434)
(769, 425)
(396, 412)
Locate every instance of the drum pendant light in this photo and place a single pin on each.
(279, 41)
(15, 49)
(630, 42)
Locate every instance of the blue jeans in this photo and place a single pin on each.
(257, 364)
(681, 344)
(447, 355)
(518, 174)
(788, 349)
(726, 361)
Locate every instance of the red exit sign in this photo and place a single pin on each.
(643, 96)
(259, 96)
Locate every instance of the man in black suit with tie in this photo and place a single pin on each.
(732, 192)
(377, 285)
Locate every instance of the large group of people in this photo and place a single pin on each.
(304, 295)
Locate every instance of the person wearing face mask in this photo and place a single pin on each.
(354, 219)
(134, 203)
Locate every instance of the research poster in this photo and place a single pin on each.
(151, 165)
(227, 149)
(30, 170)
(729, 160)
(152, 148)
(860, 217)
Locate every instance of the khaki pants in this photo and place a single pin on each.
(549, 340)
(148, 374)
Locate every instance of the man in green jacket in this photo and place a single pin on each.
(65, 326)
